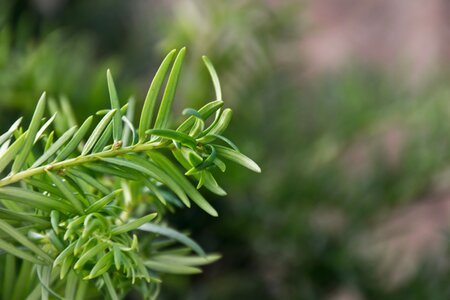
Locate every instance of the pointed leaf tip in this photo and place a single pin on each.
(152, 95)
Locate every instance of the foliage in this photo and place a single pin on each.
(65, 68)
(86, 203)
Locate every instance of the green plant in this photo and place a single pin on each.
(81, 210)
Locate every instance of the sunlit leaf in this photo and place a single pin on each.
(54, 147)
(152, 95)
(117, 118)
(171, 233)
(97, 132)
(30, 135)
(238, 158)
(162, 118)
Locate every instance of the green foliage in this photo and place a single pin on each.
(82, 207)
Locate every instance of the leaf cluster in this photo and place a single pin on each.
(82, 206)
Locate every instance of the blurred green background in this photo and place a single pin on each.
(344, 104)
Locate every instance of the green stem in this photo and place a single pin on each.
(80, 160)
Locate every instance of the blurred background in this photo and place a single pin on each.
(344, 104)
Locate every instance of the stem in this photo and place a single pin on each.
(76, 162)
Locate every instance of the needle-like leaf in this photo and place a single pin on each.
(171, 268)
(133, 224)
(171, 233)
(75, 141)
(238, 158)
(44, 127)
(152, 95)
(184, 182)
(15, 234)
(117, 119)
(4, 137)
(64, 188)
(162, 118)
(30, 135)
(214, 77)
(145, 167)
(97, 132)
(205, 112)
(11, 249)
(33, 199)
(174, 135)
(11, 152)
(54, 147)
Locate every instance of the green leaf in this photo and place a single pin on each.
(67, 111)
(108, 169)
(24, 217)
(198, 127)
(205, 112)
(83, 175)
(180, 157)
(222, 123)
(66, 266)
(191, 112)
(91, 253)
(214, 77)
(97, 132)
(194, 158)
(44, 127)
(238, 158)
(212, 137)
(154, 189)
(133, 224)
(64, 188)
(54, 147)
(117, 257)
(109, 287)
(220, 164)
(71, 286)
(9, 248)
(49, 141)
(60, 124)
(141, 165)
(117, 119)
(152, 95)
(211, 184)
(103, 140)
(23, 279)
(187, 260)
(190, 190)
(8, 281)
(208, 162)
(103, 265)
(171, 268)
(129, 128)
(75, 141)
(174, 135)
(11, 152)
(4, 137)
(99, 204)
(166, 103)
(54, 219)
(44, 186)
(30, 135)
(173, 234)
(15, 234)
(33, 199)
(128, 120)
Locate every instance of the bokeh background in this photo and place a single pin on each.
(345, 104)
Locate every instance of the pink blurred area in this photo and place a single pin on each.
(408, 35)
